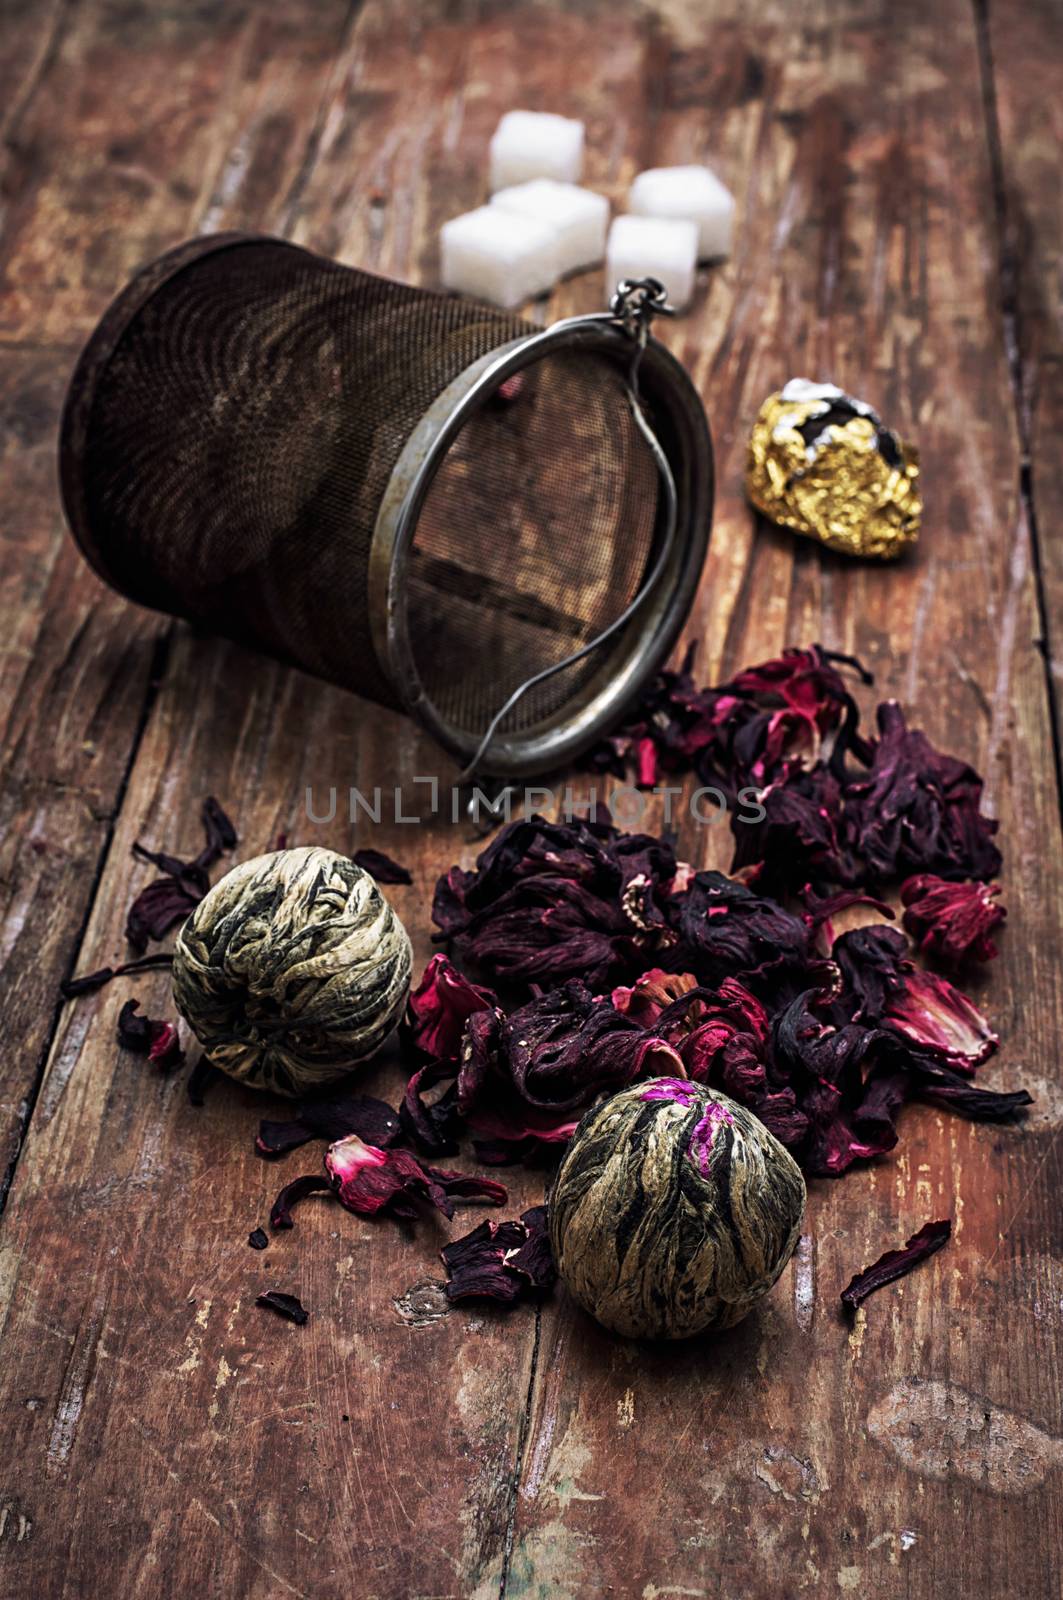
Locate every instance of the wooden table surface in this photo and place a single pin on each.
(900, 229)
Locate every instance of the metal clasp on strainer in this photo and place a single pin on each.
(635, 303)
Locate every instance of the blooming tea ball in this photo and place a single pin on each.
(292, 970)
(673, 1211)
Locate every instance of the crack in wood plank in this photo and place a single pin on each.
(1010, 269)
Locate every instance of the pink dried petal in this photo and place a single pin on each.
(933, 1014)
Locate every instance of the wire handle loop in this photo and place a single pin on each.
(633, 306)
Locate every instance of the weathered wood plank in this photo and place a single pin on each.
(1022, 49)
(140, 1388)
(380, 1458)
(791, 1455)
(114, 123)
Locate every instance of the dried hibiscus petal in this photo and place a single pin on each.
(381, 867)
(952, 922)
(874, 965)
(285, 1305)
(503, 1261)
(439, 1008)
(917, 810)
(168, 900)
(795, 840)
(199, 1079)
(281, 1214)
(549, 901)
(149, 1037)
(725, 930)
(941, 1086)
(70, 988)
(434, 1127)
(645, 999)
(934, 1015)
(553, 1056)
(157, 909)
(795, 707)
(896, 1263)
(221, 835)
(332, 1119)
(368, 1180)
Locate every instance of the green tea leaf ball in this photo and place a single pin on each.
(673, 1211)
(292, 970)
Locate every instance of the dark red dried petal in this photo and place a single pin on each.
(200, 1078)
(285, 1305)
(220, 832)
(952, 922)
(433, 1127)
(380, 866)
(727, 931)
(796, 707)
(157, 909)
(439, 1008)
(169, 900)
(134, 1031)
(149, 1037)
(874, 965)
(917, 811)
(795, 839)
(373, 1120)
(558, 1052)
(291, 1194)
(502, 1261)
(165, 1050)
(533, 1259)
(896, 1263)
(549, 901)
(941, 1086)
(476, 1266)
(70, 988)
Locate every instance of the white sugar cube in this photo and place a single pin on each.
(649, 247)
(692, 194)
(536, 144)
(580, 217)
(494, 255)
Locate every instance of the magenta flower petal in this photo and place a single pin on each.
(952, 922)
(933, 1014)
(368, 1180)
(439, 1008)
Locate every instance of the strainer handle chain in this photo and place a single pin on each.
(633, 306)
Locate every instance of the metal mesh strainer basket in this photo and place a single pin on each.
(421, 499)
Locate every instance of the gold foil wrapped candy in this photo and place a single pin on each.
(825, 465)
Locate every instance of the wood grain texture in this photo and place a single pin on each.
(166, 1437)
(1020, 46)
(127, 132)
